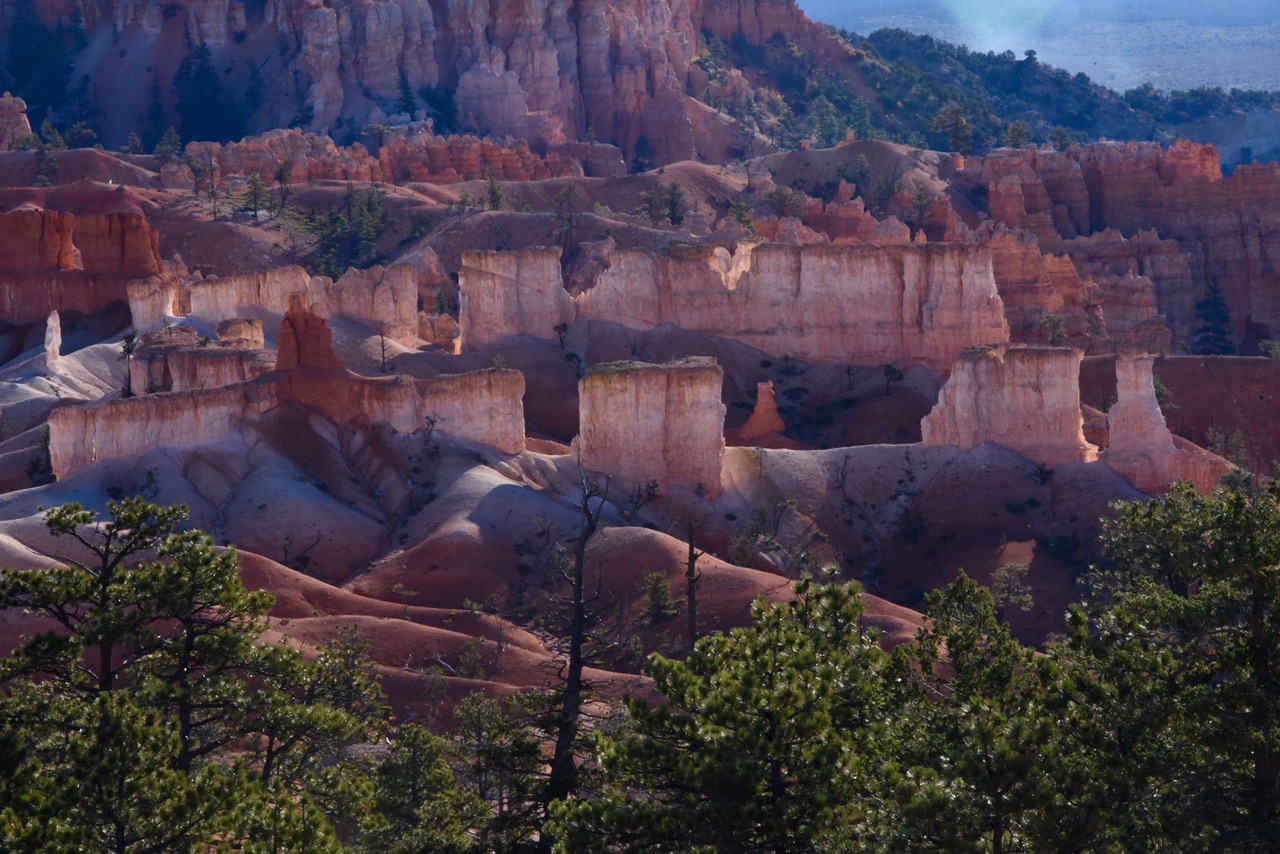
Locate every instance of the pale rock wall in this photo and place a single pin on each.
(250, 295)
(241, 334)
(152, 300)
(855, 304)
(665, 423)
(1024, 398)
(511, 293)
(379, 297)
(1140, 445)
(382, 298)
(484, 407)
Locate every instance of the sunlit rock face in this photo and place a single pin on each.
(646, 423)
(1024, 398)
(854, 304)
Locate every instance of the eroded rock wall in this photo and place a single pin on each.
(485, 407)
(1024, 398)
(661, 423)
(855, 304)
(13, 121)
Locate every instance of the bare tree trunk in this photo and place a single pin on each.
(562, 779)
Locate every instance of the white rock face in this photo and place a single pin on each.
(856, 304)
(52, 341)
(1026, 399)
(663, 423)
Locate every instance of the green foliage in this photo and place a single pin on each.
(952, 124)
(347, 235)
(1213, 336)
(169, 146)
(205, 112)
(420, 805)
(493, 190)
(1018, 135)
(151, 715)
(1181, 634)
(658, 604)
(767, 740)
(255, 195)
(985, 761)
(1056, 327)
(1009, 588)
(500, 762)
(407, 103)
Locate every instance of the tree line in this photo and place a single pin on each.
(152, 715)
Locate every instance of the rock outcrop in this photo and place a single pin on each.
(384, 299)
(415, 154)
(764, 420)
(855, 304)
(1024, 398)
(1140, 446)
(52, 341)
(484, 407)
(52, 261)
(178, 359)
(660, 424)
(13, 121)
(1220, 225)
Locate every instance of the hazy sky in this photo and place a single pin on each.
(1171, 43)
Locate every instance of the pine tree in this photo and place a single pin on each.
(768, 740)
(1213, 336)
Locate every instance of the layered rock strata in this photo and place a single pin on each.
(856, 304)
(646, 423)
(1024, 398)
(415, 155)
(384, 299)
(1140, 446)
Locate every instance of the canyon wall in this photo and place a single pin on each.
(382, 298)
(547, 72)
(1024, 398)
(661, 423)
(854, 304)
(1140, 446)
